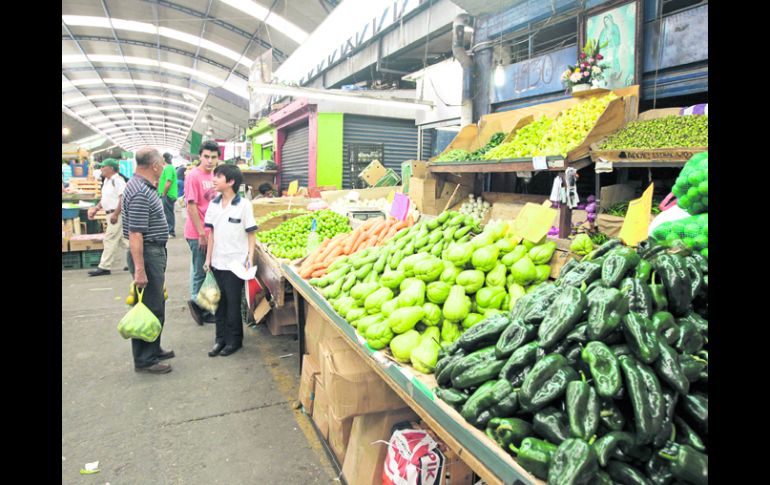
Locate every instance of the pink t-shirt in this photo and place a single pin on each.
(198, 189)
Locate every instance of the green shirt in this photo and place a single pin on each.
(169, 173)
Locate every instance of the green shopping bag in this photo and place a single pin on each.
(140, 322)
(209, 294)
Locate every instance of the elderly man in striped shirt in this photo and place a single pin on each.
(145, 227)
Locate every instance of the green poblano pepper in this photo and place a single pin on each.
(562, 316)
(606, 309)
(573, 463)
(604, 367)
(582, 409)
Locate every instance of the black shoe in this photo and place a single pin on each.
(216, 349)
(99, 272)
(154, 369)
(125, 268)
(166, 354)
(229, 350)
(195, 311)
(208, 317)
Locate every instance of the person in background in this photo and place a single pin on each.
(111, 201)
(168, 190)
(145, 227)
(198, 192)
(66, 173)
(231, 221)
(180, 173)
(265, 190)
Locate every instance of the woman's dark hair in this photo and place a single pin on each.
(230, 172)
(265, 188)
(211, 146)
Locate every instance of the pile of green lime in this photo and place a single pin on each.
(289, 240)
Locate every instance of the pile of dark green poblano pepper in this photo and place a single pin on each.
(599, 377)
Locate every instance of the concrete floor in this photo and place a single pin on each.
(222, 420)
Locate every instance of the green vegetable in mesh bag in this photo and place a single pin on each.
(140, 323)
(209, 294)
(692, 186)
(693, 232)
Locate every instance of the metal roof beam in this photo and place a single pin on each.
(134, 69)
(278, 54)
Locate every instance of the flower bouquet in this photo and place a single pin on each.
(588, 71)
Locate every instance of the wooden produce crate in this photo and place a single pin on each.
(643, 156)
(276, 221)
(269, 272)
(87, 242)
(264, 206)
(282, 321)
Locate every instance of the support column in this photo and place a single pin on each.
(312, 150)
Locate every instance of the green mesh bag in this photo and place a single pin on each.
(140, 322)
(692, 186)
(693, 232)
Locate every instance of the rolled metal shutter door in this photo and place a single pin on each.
(398, 136)
(294, 163)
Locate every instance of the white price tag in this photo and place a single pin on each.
(524, 175)
(556, 164)
(539, 163)
(603, 166)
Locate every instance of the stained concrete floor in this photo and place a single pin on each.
(222, 420)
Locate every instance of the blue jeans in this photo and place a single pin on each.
(197, 275)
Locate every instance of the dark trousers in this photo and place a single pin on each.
(228, 317)
(146, 353)
(168, 209)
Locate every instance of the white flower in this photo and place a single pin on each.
(575, 77)
(596, 69)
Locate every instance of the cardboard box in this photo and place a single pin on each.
(365, 457)
(321, 408)
(317, 329)
(283, 320)
(353, 387)
(86, 244)
(339, 435)
(310, 369)
(373, 172)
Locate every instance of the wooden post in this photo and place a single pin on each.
(565, 214)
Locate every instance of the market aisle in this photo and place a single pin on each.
(211, 420)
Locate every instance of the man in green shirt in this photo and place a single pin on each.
(168, 191)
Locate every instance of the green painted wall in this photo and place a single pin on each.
(256, 152)
(329, 158)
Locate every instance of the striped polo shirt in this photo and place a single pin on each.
(143, 211)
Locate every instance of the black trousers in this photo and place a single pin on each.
(146, 353)
(229, 321)
(168, 210)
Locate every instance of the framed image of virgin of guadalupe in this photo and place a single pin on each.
(617, 29)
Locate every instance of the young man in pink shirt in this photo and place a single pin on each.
(198, 192)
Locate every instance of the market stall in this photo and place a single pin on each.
(497, 375)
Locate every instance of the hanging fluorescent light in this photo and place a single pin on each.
(322, 94)
(499, 75)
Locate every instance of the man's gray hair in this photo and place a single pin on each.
(146, 156)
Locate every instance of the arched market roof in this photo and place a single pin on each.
(147, 72)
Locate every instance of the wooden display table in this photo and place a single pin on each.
(477, 450)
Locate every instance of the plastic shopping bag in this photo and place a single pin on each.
(209, 294)
(140, 322)
(413, 459)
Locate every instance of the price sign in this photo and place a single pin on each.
(533, 222)
(293, 187)
(391, 195)
(539, 163)
(637, 220)
(400, 206)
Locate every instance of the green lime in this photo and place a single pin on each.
(705, 253)
(671, 237)
(695, 178)
(692, 192)
(705, 201)
(684, 201)
(692, 228)
(688, 241)
(701, 241)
